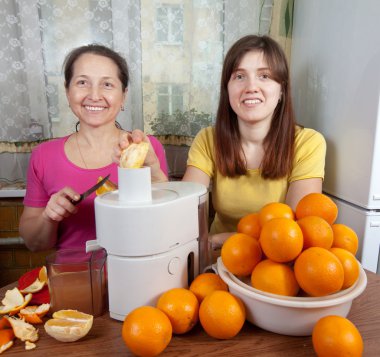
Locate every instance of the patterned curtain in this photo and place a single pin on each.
(174, 48)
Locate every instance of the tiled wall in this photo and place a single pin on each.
(15, 258)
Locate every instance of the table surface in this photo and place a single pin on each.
(105, 336)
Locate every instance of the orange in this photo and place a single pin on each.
(106, 187)
(319, 272)
(350, 266)
(316, 232)
(345, 237)
(250, 225)
(181, 306)
(275, 278)
(146, 331)
(275, 210)
(206, 283)
(317, 204)
(222, 314)
(281, 239)
(240, 253)
(69, 325)
(336, 336)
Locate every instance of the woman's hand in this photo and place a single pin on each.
(60, 205)
(151, 159)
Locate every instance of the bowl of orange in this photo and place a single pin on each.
(288, 315)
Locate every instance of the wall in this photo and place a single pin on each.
(15, 258)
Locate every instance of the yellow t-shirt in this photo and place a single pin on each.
(235, 197)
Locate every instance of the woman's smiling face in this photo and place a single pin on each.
(95, 91)
(252, 93)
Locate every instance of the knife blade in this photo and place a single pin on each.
(90, 190)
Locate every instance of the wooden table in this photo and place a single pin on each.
(104, 339)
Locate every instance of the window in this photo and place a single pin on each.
(169, 25)
(169, 98)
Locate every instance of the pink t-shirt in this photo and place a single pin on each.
(50, 170)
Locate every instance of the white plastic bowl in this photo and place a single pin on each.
(293, 316)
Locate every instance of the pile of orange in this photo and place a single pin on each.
(147, 330)
(284, 252)
(303, 252)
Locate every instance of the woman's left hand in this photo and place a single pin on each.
(151, 160)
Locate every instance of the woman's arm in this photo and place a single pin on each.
(193, 174)
(39, 225)
(38, 231)
(301, 188)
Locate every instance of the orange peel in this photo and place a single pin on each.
(5, 346)
(14, 301)
(23, 330)
(42, 275)
(38, 284)
(29, 345)
(6, 339)
(33, 314)
(133, 156)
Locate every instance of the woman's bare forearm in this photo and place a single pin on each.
(38, 231)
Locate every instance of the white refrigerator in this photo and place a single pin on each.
(335, 72)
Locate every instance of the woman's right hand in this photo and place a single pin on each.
(60, 206)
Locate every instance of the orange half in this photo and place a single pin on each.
(108, 186)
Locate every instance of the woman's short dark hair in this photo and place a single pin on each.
(279, 142)
(99, 50)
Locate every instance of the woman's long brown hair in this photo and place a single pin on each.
(279, 142)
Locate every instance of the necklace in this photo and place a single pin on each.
(80, 152)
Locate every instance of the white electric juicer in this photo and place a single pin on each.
(156, 238)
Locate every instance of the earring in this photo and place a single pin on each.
(122, 108)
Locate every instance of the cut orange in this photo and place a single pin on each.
(108, 186)
(69, 325)
(133, 156)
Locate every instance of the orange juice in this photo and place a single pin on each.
(78, 284)
(74, 290)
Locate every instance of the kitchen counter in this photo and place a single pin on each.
(105, 336)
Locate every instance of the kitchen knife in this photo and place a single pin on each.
(91, 190)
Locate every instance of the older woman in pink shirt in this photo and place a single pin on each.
(96, 81)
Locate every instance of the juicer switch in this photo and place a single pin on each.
(173, 266)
